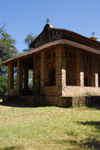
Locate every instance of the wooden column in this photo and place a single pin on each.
(42, 72)
(26, 77)
(96, 73)
(81, 71)
(19, 76)
(10, 77)
(78, 68)
(92, 71)
(60, 70)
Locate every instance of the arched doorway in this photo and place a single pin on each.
(52, 78)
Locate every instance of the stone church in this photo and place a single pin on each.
(64, 65)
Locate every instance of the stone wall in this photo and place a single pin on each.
(80, 91)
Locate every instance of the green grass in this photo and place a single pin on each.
(49, 128)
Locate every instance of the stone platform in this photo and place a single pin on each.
(37, 100)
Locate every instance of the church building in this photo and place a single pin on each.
(64, 65)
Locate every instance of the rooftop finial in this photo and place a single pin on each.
(47, 20)
(93, 33)
(93, 37)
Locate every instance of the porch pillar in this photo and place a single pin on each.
(78, 68)
(26, 77)
(81, 71)
(10, 77)
(42, 72)
(96, 73)
(92, 71)
(19, 76)
(60, 70)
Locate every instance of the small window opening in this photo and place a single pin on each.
(68, 66)
(65, 53)
(49, 56)
(69, 54)
(58, 32)
(87, 58)
(73, 55)
(53, 54)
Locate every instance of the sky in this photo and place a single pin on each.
(29, 16)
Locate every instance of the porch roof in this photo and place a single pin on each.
(54, 43)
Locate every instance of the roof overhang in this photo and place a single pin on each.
(54, 43)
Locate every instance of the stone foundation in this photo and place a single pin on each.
(59, 101)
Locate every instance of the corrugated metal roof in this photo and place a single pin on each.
(57, 42)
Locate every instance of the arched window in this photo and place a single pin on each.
(52, 77)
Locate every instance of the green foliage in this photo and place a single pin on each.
(3, 83)
(29, 38)
(30, 78)
(7, 50)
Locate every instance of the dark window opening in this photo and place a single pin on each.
(69, 54)
(73, 55)
(49, 56)
(58, 32)
(86, 81)
(87, 58)
(53, 54)
(50, 33)
(52, 78)
(54, 33)
(99, 80)
(65, 53)
(83, 58)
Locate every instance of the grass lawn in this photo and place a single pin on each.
(49, 128)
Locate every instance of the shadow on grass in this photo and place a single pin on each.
(96, 124)
(96, 106)
(88, 143)
(12, 148)
(14, 105)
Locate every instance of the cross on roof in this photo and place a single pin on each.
(47, 20)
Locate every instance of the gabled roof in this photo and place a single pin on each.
(50, 34)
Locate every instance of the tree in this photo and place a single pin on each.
(29, 38)
(7, 50)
